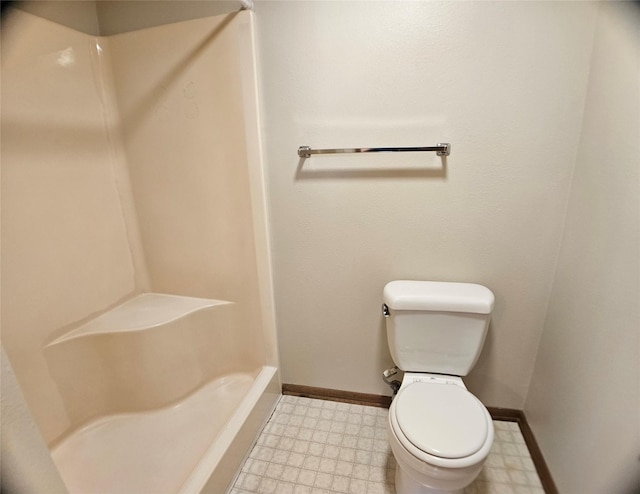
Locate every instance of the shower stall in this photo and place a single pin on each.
(137, 309)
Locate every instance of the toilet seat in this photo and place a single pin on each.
(440, 421)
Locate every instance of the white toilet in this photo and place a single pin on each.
(440, 434)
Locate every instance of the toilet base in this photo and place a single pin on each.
(406, 485)
(417, 472)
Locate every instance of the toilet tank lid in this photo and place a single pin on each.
(438, 296)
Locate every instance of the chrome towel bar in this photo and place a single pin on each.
(441, 149)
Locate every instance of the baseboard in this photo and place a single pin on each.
(512, 415)
(337, 395)
(506, 414)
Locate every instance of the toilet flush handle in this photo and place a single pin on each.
(385, 310)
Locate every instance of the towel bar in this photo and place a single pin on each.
(441, 149)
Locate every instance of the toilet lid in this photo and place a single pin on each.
(442, 420)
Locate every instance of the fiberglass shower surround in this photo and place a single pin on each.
(134, 221)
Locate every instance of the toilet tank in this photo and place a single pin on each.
(437, 327)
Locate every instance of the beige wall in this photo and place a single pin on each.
(504, 82)
(81, 15)
(108, 17)
(117, 16)
(584, 401)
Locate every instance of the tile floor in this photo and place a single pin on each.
(318, 447)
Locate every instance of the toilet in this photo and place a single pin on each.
(440, 434)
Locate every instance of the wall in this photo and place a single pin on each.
(81, 15)
(505, 84)
(584, 399)
(116, 16)
(108, 17)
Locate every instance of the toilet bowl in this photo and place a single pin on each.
(440, 435)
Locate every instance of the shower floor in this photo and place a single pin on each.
(149, 452)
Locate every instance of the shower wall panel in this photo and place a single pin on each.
(69, 239)
(130, 164)
(180, 95)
